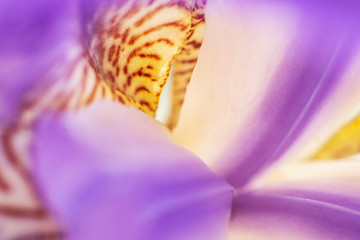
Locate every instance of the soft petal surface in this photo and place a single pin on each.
(37, 43)
(303, 201)
(273, 77)
(36, 40)
(111, 172)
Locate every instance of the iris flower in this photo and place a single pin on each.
(275, 89)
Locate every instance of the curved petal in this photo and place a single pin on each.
(132, 44)
(318, 200)
(273, 77)
(111, 172)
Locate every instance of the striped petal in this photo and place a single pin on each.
(274, 80)
(51, 58)
(302, 201)
(42, 66)
(78, 51)
(111, 172)
(37, 40)
(132, 45)
(185, 62)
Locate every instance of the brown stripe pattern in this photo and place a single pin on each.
(21, 212)
(186, 60)
(22, 215)
(133, 47)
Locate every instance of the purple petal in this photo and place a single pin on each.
(111, 172)
(316, 200)
(36, 38)
(296, 214)
(273, 77)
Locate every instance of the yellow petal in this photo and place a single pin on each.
(344, 143)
